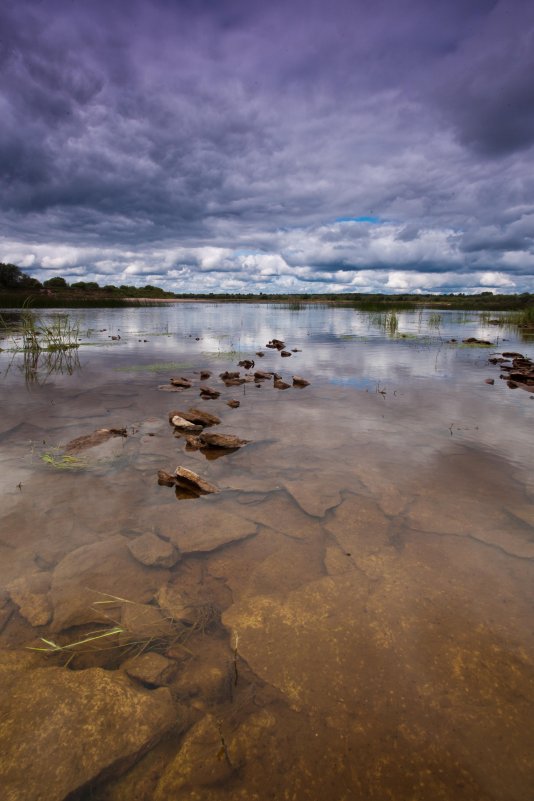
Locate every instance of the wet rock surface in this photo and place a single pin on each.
(151, 668)
(30, 594)
(94, 573)
(98, 437)
(152, 551)
(191, 480)
(84, 724)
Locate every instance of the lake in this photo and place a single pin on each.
(349, 615)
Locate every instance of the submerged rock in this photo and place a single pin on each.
(209, 393)
(204, 375)
(247, 363)
(300, 382)
(260, 353)
(185, 383)
(61, 729)
(489, 381)
(201, 527)
(262, 375)
(227, 375)
(151, 668)
(102, 571)
(475, 341)
(153, 552)
(96, 438)
(197, 416)
(285, 353)
(279, 384)
(233, 404)
(221, 441)
(145, 624)
(192, 480)
(30, 594)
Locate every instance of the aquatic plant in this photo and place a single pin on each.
(63, 461)
(157, 367)
(56, 333)
(434, 320)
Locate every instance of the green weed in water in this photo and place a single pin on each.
(63, 461)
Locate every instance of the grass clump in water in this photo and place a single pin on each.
(157, 367)
(63, 461)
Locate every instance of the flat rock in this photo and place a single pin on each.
(208, 392)
(153, 551)
(101, 571)
(181, 422)
(262, 375)
(192, 480)
(61, 729)
(91, 440)
(221, 441)
(198, 416)
(210, 755)
(144, 623)
(233, 404)
(30, 594)
(298, 381)
(279, 384)
(151, 668)
(185, 383)
(200, 526)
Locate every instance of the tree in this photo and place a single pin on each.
(56, 283)
(10, 276)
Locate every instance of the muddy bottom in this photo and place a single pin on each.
(347, 615)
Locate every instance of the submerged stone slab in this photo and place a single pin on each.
(30, 594)
(153, 551)
(60, 729)
(95, 573)
(211, 754)
(151, 668)
(199, 526)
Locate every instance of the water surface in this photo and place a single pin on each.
(370, 633)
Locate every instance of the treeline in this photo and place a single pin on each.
(17, 288)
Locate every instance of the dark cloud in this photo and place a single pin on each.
(220, 140)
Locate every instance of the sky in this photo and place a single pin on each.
(267, 146)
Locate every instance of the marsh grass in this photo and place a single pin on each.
(56, 333)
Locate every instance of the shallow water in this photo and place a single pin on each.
(366, 584)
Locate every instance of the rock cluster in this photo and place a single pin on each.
(517, 373)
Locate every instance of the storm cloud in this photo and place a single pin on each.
(247, 146)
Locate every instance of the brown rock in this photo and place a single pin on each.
(204, 375)
(246, 363)
(279, 384)
(102, 571)
(151, 668)
(30, 594)
(489, 381)
(201, 527)
(153, 552)
(181, 423)
(261, 375)
(260, 353)
(208, 392)
(61, 729)
(285, 353)
(234, 382)
(144, 623)
(185, 383)
(192, 480)
(475, 341)
(96, 438)
(233, 404)
(166, 479)
(227, 375)
(300, 382)
(221, 441)
(197, 416)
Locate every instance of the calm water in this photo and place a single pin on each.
(362, 581)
